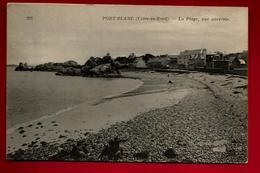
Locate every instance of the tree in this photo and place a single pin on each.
(147, 57)
(131, 58)
(107, 59)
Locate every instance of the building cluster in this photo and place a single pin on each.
(198, 59)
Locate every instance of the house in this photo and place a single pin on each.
(173, 61)
(221, 65)
(239, 63)
(158, 62)
(155, 63)
(140, 63)
(192, 59)
(183, 61)
(238, 60)
(212, 58)
(219, 62)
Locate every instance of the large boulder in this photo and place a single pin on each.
(50, 66)
(101, 69)
(20, 67)
(104, 70)
(23, 67)
(96, 66)
(57, 67)
(70, 71)
(91, 63)
(71, 63)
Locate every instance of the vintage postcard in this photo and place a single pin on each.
(127, 83)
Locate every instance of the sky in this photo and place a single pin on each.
(39, 33)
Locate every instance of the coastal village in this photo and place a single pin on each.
(127, 83)
(189, 108)
(187, 60)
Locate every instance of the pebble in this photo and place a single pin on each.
(220, 149)
(21, 131)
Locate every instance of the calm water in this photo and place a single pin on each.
(31, 95)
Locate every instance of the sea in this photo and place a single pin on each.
(33, 95)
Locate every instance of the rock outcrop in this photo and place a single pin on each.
(94, 67)
(50, 66)
(100, 67)
(57, 67)
(104, 70)
(70, 71)
(71, 63)
(23, 67)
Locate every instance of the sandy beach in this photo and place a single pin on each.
(170, 117)
(75, 121)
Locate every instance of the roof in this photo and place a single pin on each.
(158, 59)
(221, 60)
(192, 52)
(241, 61)
(243, 56)
(173, 56)
(233, 56)
(137, 59)
(184, 56)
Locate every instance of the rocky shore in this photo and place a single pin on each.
(207, 126)
(94, 67)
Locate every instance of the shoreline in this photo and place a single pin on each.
(47, 116)
(200, 128)
(25, 133)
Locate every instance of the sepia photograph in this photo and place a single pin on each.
(127, 83)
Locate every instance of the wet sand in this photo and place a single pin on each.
(76, 121)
